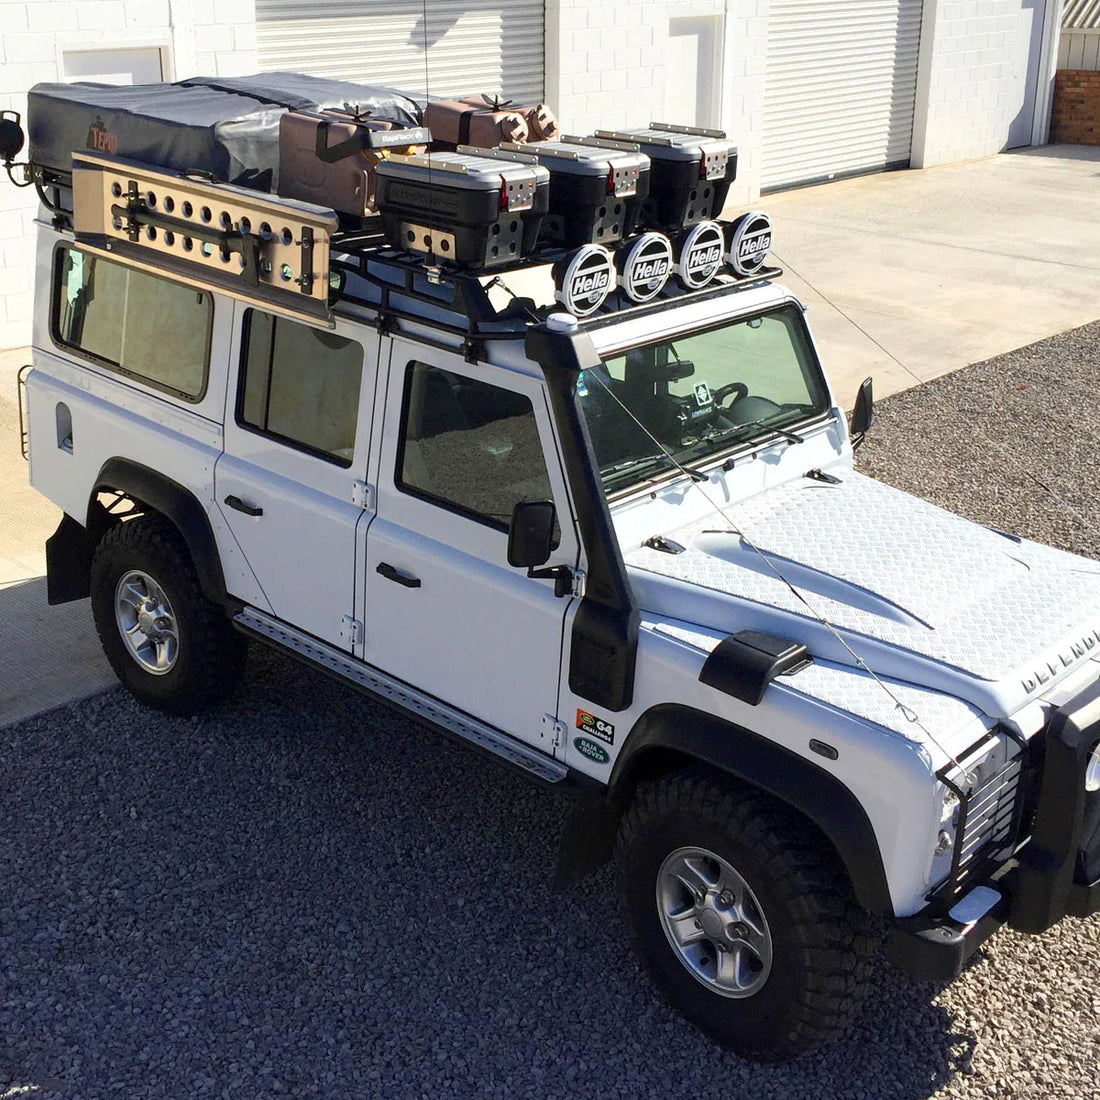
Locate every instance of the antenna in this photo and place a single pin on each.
(427, 99)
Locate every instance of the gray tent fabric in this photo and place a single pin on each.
(228, 127)
(302, 92)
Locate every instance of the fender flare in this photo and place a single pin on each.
(670, 735)
(176, 503)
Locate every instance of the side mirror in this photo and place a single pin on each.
(530, 533)
(863, 413)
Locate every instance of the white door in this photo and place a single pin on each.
(296, 442)
(445, 611)
(1029, 45)
(694, 51)
(137, 65)
(840, 88)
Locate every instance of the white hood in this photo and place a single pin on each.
(920, 594)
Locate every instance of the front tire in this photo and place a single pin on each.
(169, 645)
(742, 915)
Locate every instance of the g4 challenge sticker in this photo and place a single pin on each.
(590, 749)
(595, 727)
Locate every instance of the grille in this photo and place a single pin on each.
(988, 783)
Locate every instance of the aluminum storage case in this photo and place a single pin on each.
(474, 211)
(690, 175)
(596, 193)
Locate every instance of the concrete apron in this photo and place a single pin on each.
(910, 275)
(907, 276)
(49, 656)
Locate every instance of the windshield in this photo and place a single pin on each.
(696, 395)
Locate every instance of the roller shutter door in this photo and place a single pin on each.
(494, 46)
(840, 88)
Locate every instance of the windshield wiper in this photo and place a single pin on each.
(786, 433)
(659, 456)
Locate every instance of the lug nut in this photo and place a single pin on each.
(725, 899)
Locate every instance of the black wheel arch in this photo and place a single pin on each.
(671, 736)
(157, 492)
(69, 550)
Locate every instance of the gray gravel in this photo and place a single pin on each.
(305, 895)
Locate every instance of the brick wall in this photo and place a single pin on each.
(1076, 117)
(207, 37)
(606, 68)
(973, 53)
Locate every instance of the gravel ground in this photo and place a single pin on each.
(305, 895)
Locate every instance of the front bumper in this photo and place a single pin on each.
(1050, 877)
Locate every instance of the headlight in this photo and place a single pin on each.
(1092, 769)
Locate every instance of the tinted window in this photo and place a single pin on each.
(139, 324)
(301, 385)
(469, 445)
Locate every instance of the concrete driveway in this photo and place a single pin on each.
(49, 656)
(907, 275)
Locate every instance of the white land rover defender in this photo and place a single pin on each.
(590, 508)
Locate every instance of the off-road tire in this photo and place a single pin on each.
(821, 942)
(211, 653)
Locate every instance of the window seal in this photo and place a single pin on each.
(267, 433)
(107, 364)
(419, 494)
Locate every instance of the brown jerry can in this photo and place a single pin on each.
(486, 122)
(347, 182)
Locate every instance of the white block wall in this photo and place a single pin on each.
(606, 68)
(968, 92)
(196, 37)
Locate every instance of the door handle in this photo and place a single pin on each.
(239, 505)
(392, 574)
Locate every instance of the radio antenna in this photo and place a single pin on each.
(427, 100)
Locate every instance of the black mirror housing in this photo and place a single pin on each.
(531, 533)
(864, 412)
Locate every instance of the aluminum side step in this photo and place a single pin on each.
(425, 706)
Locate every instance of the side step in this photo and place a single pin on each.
(394, 691)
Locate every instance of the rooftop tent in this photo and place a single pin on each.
(228, 127)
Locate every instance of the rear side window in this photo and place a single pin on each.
(138, 324)
(469, 446)
(300, 385)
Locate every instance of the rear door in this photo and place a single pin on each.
(445, 612)
(296, 444)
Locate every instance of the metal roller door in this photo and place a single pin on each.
(491, 46)
(840, 88)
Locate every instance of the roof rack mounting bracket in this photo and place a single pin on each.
(264, 249)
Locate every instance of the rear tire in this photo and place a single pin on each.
(742, 914)
(169, 645)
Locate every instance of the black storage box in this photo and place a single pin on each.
(227, 127)
(474, 211)
(596, 193)
(690, 175)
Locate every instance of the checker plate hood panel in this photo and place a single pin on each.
(920, 594)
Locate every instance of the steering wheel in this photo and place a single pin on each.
(737, 388)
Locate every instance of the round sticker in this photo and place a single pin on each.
(644, 266)
(750, 240)
(699, 255)
(583, 283)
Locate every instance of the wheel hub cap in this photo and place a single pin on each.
(146, 622)
(713, 922)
